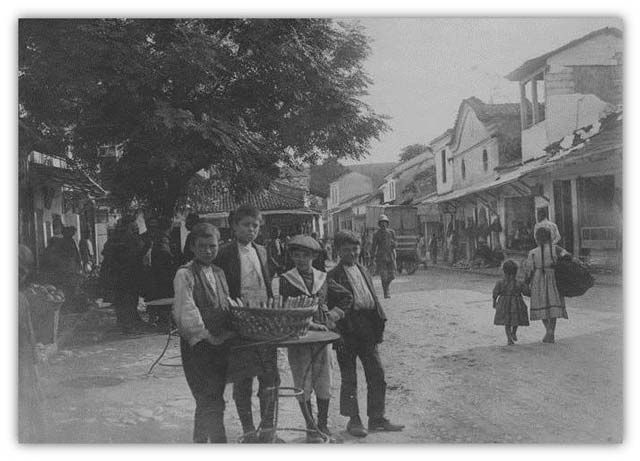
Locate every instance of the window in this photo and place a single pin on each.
(334, 194)
(463, 169)
(392, 190)
(443, 157)
(485, 160)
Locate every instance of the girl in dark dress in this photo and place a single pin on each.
(511, 311)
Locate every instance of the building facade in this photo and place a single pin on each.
(576, 94)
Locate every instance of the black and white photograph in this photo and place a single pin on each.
(319, 230)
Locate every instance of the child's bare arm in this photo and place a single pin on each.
(497, 290)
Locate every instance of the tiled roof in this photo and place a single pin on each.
(584, 144)
(68, 177)
(446, 134)
(501, 120)
(210, 196)
(533, 64)
(603, 137)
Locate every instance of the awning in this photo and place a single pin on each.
(503, 179)
(297, 212)
(72, 179)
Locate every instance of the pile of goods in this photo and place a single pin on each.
(44, 303)
(47, 294)
(275, 319)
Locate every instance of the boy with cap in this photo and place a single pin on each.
(362, 330)
(311, 364)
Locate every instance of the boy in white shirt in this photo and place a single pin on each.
(246, 268)
(201, 312)
(362, 330)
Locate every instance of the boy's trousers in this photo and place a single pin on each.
(311, 370)
(205, 367)
(347, 352)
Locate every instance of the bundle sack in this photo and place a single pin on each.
(572, 277)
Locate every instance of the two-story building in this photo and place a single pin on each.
(351, 193)
(575, 92)
(559, 149)
(54, 192)
(484, 137)
(409, 180)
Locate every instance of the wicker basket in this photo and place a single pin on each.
(270, 324)
(45, 317)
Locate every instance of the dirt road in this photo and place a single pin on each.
(451, 378)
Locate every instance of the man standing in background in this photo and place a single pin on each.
(383, 250)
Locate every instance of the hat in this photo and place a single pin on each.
(303, 241)
(383, 217)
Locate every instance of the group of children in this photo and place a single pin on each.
(547, 304)
(348, 305)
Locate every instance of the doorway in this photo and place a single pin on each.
(563, 212)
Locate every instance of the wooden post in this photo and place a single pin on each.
(534, 100)
(523, 106)
(575, 216)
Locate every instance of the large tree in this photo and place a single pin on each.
(412, 151)
(239, 95)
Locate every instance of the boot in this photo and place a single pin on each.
(267, 408)
(383, 424)
(313, 436)
(323, 415)
(385, 289)
(355, 427)
(246, 420)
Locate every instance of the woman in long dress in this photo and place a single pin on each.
(547, 304)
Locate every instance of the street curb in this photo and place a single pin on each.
(476, 272)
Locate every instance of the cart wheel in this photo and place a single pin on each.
(412, 266)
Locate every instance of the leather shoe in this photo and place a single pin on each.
(383, 424)
(314, 436)
(355, 427)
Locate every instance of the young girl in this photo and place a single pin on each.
(311, 365)
(547, 304)
(511, 311)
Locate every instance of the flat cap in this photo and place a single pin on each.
(304, 241)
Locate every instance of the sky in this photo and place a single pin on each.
(422, 68)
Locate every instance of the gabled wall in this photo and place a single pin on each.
(473, 138)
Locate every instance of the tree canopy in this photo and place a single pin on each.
(411, 151)
(239, 95)
(321, 176)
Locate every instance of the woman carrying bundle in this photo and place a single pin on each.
(311, 364)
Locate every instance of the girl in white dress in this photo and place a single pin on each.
(546, 302)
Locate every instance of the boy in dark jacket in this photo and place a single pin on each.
(245, 266)
(362, 330)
